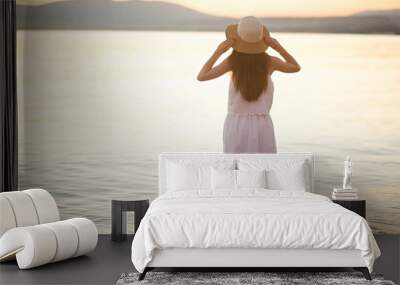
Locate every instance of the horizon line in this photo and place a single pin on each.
(28, 3)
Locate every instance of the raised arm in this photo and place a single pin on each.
(288, 65)
(209, 71)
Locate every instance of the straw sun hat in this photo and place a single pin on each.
(248, 35)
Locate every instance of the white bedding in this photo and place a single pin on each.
(251, 218)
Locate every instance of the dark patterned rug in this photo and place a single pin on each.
(243, 278)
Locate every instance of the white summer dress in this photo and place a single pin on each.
(248, 126)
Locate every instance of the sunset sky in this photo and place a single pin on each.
(297, 8)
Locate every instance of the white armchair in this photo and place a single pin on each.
(31, 230)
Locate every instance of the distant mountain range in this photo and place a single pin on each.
(382, 13)
(154, 15)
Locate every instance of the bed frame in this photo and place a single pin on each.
(237, 259)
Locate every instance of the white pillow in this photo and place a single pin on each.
(223, 179)
(251, 178)
(189, 174)
(227, 179)
(288, 174)
(292, 179)
(187, 177)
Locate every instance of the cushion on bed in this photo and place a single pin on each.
(290, 174)
(183, 177)
(227, 179)
(251, 178)
(223, 179)
(187, 174)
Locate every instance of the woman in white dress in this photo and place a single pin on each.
(248, 126)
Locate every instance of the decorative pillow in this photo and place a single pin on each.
(288, 174)
(189, 174)
(188, 177)
(293, 179)
(223, 179)
(251, 179)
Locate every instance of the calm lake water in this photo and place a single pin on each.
(96, 108)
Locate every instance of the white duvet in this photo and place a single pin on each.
(250, 219)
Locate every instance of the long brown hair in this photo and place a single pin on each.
(249, 73)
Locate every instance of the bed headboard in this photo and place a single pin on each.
(164, 158)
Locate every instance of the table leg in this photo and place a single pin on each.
(118, 216)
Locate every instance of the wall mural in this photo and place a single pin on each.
(104, 91)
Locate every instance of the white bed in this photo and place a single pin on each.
(201, 226)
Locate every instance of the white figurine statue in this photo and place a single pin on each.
(347, 173)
